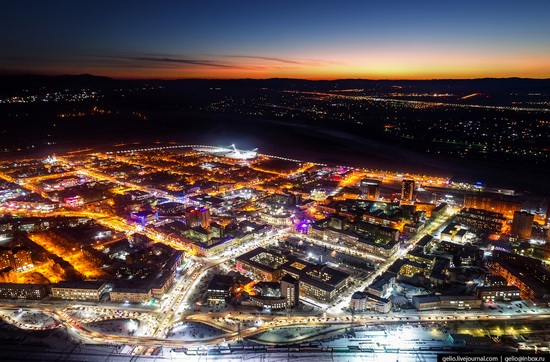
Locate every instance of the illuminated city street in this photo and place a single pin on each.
(182, 312)
(274, 181)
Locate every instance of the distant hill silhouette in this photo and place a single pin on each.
(13, 83)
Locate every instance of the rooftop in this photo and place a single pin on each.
(91, 285)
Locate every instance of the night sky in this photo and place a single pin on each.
(263, 39)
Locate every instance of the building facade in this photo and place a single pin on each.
(130, 295)
(22, 291)
(407, 192)
(522, 224)
(91, 291)
(490, 294)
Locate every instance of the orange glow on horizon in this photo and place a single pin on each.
(391, 65)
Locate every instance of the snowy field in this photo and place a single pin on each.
(191, 331)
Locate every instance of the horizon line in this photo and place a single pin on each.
(260, 79)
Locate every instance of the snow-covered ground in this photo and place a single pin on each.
(118, 327)
(83, 314)
(35, 319)
(191, 331)
(293, 334)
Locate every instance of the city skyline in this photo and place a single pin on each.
(190, 275)
(188, 180)
(248, 40)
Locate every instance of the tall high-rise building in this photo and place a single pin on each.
(198, 217)
(204, 217)
(373, 192)
(522, 224)
(290, 289)
(370, 188)
(407, 191)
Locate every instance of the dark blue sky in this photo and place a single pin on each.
(259, 39)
